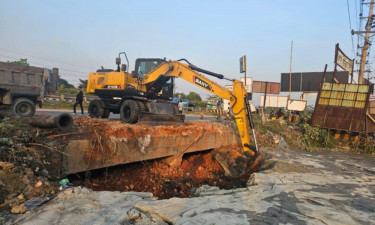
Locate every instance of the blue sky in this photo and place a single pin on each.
(80, 36)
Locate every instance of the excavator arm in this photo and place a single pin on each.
(237, 97)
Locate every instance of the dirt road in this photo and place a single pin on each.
(294, 187)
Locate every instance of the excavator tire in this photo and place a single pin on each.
(142, 107)
(129, 111)
(106, 113)
(95, 109)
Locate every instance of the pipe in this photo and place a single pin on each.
(63, 121)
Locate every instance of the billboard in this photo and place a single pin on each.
(260, 87)
(249, 82)
(274, 101)
(243, 64)
(310, 81)
(344, 61)
(296, 105)
(342, 107)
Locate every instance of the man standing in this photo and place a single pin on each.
(79, 100)
(180, 106)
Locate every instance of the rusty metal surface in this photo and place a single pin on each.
(27, 80)
(370, 124)
(342, 107)
(260, 87)
(103, 150)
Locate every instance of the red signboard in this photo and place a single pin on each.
(262, 87)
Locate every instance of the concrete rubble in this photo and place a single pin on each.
(293, 187)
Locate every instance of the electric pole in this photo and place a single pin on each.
(366, 42)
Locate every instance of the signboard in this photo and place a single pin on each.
(343, 61)
(274, 101)
(243, 64)
(296, 105)
(260, 87)
(310, 81)
(342, 107)
(249, 82)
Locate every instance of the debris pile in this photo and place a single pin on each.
(27, 164)
(18, 184)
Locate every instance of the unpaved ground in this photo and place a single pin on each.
(294, 187)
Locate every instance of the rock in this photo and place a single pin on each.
(20, 197)
(18, 209)
(6, 166)
(282, 145)
(44, 172)
(133, 214)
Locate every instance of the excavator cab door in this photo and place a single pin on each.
(144, 66)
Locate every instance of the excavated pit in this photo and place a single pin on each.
(111, 156)
(162, 180)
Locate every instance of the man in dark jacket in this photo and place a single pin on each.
(79, 100)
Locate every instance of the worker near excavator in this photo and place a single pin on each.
(79, 100)
(279, 113)
(180, 106)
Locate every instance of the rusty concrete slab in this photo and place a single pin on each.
(112, 143)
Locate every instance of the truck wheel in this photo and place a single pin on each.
(24, 107)
(129, 111)
(95, 109)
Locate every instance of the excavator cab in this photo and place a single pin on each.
(163, 88)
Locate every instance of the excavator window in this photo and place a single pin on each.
(145, 66)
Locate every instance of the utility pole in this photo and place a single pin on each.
(290, 72)
(366, 42)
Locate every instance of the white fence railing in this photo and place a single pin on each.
(58, 97)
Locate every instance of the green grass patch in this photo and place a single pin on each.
(62, 105)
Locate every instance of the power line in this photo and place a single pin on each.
(61, 68)
(38, 57)
(350, 25)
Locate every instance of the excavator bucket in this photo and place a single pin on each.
(236, 162)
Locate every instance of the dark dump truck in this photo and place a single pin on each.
(22, 87)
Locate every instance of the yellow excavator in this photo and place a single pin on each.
(145, 94)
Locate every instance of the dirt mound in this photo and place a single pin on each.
(162, 180)
(18, 184)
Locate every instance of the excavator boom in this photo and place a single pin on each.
(237, 97)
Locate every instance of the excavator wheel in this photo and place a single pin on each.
(95, 109)
(106, 113)
(142, 107)
(129, 111)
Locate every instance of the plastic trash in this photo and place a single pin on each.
(37, 201)
(4, 141)
(65, 183)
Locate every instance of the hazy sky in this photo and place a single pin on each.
(80, 36)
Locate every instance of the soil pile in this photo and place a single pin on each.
(161, 179)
